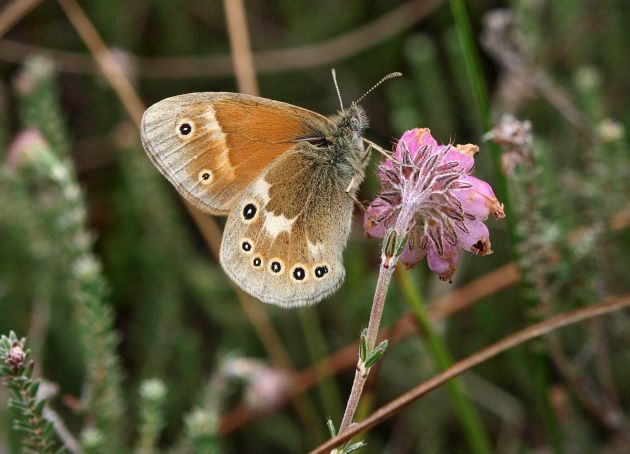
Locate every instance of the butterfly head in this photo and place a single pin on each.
(351, 123)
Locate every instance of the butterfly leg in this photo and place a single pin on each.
(372, 145)
(353, 197)
(381, 150)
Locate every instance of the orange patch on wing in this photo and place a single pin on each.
(257, 133)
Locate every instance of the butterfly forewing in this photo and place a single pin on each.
(283, 240)
(211, 146)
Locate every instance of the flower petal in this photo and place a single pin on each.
(479, 199)
(414, 250)
(464, 159)
(477, 239)
(443, 265)
(413, 140)
(374, 222)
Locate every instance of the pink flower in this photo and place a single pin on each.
(430, 197)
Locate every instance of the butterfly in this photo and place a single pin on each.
(285, 176)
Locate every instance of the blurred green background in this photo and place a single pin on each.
(123, 253)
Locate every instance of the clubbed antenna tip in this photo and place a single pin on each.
(387, 77)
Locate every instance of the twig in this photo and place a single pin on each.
(109, 66)
(268, 61)
(47, 391)
(527, 334)
(13, 12)
(241, 50)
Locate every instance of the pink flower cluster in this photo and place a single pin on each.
(430, 196)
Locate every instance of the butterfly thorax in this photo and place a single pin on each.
(342, 150)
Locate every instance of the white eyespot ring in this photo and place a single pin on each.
(247, 245)
(249, 213)
(299, 273)
(205, 176)
(321, 270)
(185, 129)
(276, 266)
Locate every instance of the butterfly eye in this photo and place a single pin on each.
(298, 273)
(321, 271)
(249, 212)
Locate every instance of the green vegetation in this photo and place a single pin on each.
(136, 341)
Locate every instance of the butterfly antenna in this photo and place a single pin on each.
(334, 75)
(387, 77)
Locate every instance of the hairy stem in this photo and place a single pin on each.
(361, 374)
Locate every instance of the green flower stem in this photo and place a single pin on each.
(472, 64)
(317, 349)
(360, 376)
(472, 425)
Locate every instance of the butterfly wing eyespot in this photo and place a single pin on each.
(299, 272)
(233, 136)
(276, 266)
(205, 177)
(298, 232)
(250, 210)
(185, 129)
(320, 270)
(247, 245)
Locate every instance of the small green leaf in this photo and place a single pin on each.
(353, 447)
(331, 427)
(34, 388)
(401, 245)
(389, 243)
(40, 406)
(376, 354)
(363, 349)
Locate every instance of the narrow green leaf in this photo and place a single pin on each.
(363, 345)
(331, 427)
(353, 447)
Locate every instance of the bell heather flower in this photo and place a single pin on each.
(430, 198)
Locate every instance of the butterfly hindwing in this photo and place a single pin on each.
(211, 146)
(283, 240)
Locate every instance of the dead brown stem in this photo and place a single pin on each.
(239, 44)
(268, 61)
(527, 334)
(108, 65)
(13, 12)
